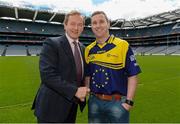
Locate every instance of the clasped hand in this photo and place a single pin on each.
(82, 92)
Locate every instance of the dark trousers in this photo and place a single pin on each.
(72, 114)
(71, 118)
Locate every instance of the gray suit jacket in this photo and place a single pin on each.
(58, 80)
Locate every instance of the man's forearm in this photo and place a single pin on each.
(132, 84)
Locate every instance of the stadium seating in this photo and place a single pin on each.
(34, 50)
(16, 50)
(2, 47)
(20, 37)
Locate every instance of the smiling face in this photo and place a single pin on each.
(74, 26)
(100, 25)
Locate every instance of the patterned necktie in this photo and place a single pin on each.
(78, 62)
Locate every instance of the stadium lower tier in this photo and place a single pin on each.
(34, 50)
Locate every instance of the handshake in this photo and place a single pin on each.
(82, 92)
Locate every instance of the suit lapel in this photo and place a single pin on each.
(67, 49)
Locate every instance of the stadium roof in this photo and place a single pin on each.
(16, 13)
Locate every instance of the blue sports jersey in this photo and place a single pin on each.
(110, 65)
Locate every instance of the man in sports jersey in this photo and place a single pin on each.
(111, 76)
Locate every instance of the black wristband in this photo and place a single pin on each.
(129, 102)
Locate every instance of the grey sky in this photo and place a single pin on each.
(115, 9)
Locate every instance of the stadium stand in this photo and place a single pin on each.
(2, 47)
(34, 50)
(23, 30)
(13, 50)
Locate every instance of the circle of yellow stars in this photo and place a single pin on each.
(100, 84)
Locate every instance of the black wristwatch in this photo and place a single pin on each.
(129, 102)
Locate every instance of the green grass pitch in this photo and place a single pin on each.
(157, 97)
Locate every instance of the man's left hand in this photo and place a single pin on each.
(126, 106)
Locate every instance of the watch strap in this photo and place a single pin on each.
(129, 102)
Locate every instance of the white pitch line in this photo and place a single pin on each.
(16, 105)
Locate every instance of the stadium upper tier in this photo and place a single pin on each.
(23, 24)
(24, 27)
(23, 30)
(36, 15)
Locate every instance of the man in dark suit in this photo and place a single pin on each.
(62, 87)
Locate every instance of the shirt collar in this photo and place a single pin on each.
(107, 41)
(70, 39)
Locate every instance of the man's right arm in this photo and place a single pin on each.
(82, 92)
